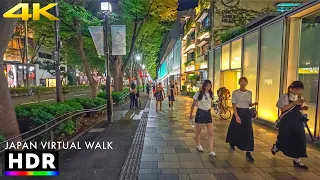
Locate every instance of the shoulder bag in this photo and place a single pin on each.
(277, 123)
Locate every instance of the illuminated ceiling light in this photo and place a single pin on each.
(307, 63)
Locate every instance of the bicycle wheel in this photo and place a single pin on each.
(225, 114)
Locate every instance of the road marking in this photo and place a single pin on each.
(80, 95)
(47, 100)
(37, 101)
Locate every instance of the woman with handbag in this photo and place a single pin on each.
(240, 132)
(291, 138)
(159, 95)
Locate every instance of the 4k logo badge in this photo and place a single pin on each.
(37, 11)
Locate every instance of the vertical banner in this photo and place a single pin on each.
(98, 38)
(118, 35)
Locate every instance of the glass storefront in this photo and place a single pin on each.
(250, 62)
(225, 58)
(236, 50)
(217, 60)
(210, 66)
(270, 70)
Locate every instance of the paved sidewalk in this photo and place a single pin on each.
(169, 152)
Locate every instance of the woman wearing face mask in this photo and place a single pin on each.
(291, 139)
(240, 131)
(203, 99)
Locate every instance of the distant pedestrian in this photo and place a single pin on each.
(148, 88)
(132, 95)
(159, 94)
(177, 89)
(292, 139)
(171, 94)
(203, 100)
(153, 88)
(240, 132)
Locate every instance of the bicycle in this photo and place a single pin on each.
(219, 109)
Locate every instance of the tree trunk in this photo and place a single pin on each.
(92, 82)
(139, 81)
(8, 121)
(118, 74)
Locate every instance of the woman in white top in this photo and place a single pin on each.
(203, 100)
(291, 139)
(240, 131)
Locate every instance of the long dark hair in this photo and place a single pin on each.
(203, 90)
(295, 85)
(133, 86)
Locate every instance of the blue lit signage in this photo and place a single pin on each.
(283, 7)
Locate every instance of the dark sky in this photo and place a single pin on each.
(187, 4)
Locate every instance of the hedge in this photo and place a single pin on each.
(116, 96)
(33, 115)
(45, 90)
(2, 138)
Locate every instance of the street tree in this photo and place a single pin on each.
(8, 121)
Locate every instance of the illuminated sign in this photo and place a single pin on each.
(37, 11)
(311, 70)
(283, 7)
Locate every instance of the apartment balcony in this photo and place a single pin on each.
(189, 65)
(191, 44)
(189, 28)
(203, 36)
(202, 15)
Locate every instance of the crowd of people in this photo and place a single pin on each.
(291, 139)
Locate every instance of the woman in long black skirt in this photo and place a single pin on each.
(240, 133)
(291, 139)
(203, 100)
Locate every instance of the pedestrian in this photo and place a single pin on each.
(291, 139)
(171, 94)
(132, 95)
(159, 96)
(240, 132)
(153, 88)
(177, 90)
(148, 88)
(203, 100)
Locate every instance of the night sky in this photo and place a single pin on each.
(187, 4)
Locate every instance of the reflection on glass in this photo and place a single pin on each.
(210, 66)
(250, 59)
(217, 59)
(269, 83)
(236, 48)
(225, 59)
(309, 60)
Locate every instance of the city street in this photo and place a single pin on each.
(169, 152)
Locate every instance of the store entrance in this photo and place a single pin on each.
(229, 79)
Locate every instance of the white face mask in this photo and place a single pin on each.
(293, 97)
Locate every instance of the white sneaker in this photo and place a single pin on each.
(213, 154)
(199, 148)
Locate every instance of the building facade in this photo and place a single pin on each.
(271, 56)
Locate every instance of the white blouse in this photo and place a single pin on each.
(242, 99)
(284, 100)
(205, 103)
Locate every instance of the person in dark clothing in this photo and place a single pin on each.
(240, 132)
(148, 88)
(291, 138)
(132, 95)
(171, 93)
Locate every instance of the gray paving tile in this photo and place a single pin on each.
(182, 150)
(152, 157)
(168, 165)
(225, 176)
(202, 177)
(191, 165)
(145, 171)
(186, 157)
(148, 177)
(184, 177)
(187, 171)
(203, 171)
(170, 171)
(147, 165)
(171, 157)
(166, 151)
(168, 177)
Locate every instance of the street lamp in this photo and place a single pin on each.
(143, 80)
(107, 9)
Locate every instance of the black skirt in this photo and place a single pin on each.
(203, 116)
(241, 135)
(291, 139)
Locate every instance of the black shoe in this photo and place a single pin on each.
(232, 147)
(249, 157)
(274, 149)
(300, 165)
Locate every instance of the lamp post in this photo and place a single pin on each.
(107, 9)
(138, 58)
(143, 80)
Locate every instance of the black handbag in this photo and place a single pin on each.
(253, 112)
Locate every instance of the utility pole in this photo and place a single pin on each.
(26, 52)
(56, 54)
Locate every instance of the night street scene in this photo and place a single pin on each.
(160, 89)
